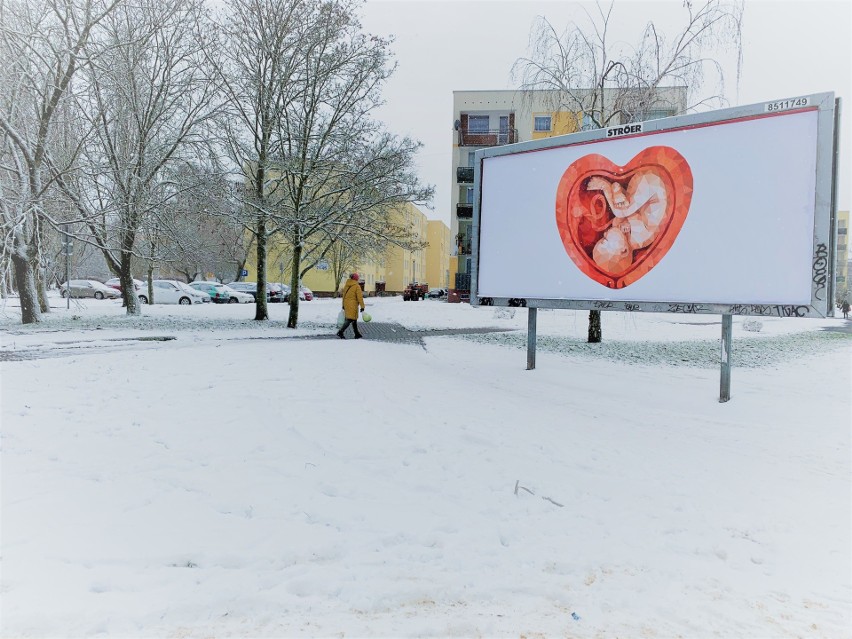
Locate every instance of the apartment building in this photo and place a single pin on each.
(390, 272)
(494, 118)
(401, 265)
(438, 254)
(842, 262)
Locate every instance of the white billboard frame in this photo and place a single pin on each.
(822, 258)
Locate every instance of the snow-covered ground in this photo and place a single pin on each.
(237, 482)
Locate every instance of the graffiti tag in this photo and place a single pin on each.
(792, 311)
(686, 308)
(751, 309)
(820, 269)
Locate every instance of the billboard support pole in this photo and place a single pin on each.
(531, 317)
(725, 384)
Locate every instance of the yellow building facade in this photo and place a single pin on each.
(438, 254)
(402, 267)
(546, 124)
(394, 270)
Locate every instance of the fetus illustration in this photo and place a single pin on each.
(638, 210)
(617, 222)
(612, 252)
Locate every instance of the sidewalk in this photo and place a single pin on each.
(392, 332)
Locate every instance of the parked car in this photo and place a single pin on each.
(88, 288)
(305, 294)
(249, 288)
(215, 290)
(274, 292)
(238, 297)
(174, 292)
(115, 283)
(437, 293)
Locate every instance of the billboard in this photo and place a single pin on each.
(729, 212)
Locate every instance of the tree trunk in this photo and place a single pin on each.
(38, 275)
(261, 308)
(240, 267)
(595, 332)
(293, 318)
(24, 280)
(149, 282)
(41, 287)
(128, 288)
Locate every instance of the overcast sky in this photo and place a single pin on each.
(791, 48)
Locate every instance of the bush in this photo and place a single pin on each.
(752, 325)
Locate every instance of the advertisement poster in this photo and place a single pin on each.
(717, 213)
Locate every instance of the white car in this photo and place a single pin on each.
(238, 297)
(115, 283)
(174, 292)
(88, 288)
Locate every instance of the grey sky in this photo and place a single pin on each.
(790, 48)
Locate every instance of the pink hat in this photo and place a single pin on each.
(355, 276)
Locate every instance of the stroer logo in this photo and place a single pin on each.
(617, 222)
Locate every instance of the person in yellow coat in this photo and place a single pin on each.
(352, 299)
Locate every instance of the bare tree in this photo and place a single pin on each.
(581, 69)
(260, 42)
(302, 81)
(337, 172)
(147, 103)
(350, 201)
(342, 259)
(199, 234)
(42, 45)
(343, 251)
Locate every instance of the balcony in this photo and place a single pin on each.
(490, 137)
(462, 281)
(464, 175)
(464, 210)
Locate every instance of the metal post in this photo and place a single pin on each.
(725, 384)
(531, 317)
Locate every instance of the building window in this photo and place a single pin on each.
(588, 123)
(656, 114)
(652, 114)
(477, 123)
(542, 123)
(471, 156)
(469, 195)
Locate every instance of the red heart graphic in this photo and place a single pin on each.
(616, 222)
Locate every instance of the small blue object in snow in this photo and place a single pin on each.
(575, 616)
